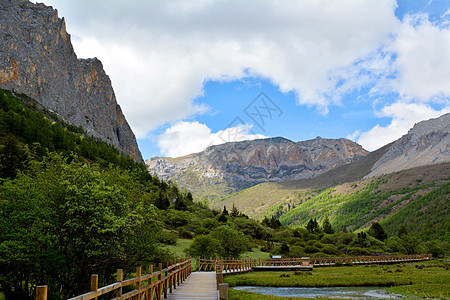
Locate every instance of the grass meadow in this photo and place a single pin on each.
(429, 279)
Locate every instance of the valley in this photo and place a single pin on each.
(77, 198)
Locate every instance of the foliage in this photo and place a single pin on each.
(72, 219)
(377, 231)
(326, 226)
(233, 242)
(205, 246)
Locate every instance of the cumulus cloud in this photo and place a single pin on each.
(190, 137)
(423, 60)
(404, 116)
(159, 54)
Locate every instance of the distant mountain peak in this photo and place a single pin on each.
(428, 142)
(234, 166)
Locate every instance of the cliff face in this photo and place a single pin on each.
(232, 167)
(428, 142)
(37, 59)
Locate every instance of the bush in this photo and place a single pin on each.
(327, 239)
(177, 218)
(311, 249)
(233, 241)
(201, 231)
(205, 246)
(395, 245)
(167, 237)
(330, 249)
(296, 251)
(186, 233)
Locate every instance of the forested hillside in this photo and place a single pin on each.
(417, 198)
(72, 206)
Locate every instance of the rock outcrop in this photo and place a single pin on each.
(232, 167)
(428, 142)
(37, 59)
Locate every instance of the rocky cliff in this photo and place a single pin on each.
(37, 59)
(428, 142)
(224, 169)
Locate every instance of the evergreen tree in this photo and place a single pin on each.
(312, 226)
(327, 226)
(225, 211)
(234, 211)
(377, 231)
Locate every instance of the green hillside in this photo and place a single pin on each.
(417, 198)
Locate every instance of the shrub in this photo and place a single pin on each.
(205, 246)
(233, 241)
(296, 251)
(311, 249)
(330, 249)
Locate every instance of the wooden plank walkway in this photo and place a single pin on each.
(199, 285)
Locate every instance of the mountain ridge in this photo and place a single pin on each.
(234, 166)
(427, 142)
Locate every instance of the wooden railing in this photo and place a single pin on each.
(147, 286)
(233, 265)
(376, 259)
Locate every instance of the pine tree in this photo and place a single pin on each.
(377, 231)
(327, 228)
(234, 211)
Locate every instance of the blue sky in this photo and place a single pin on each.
(190, 74)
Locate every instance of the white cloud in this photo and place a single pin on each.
(190, 137)
(423, 60)
(404, 116)
(160, 53)
(354, 136)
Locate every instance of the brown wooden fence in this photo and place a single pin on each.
(154, 284)
(233, 265)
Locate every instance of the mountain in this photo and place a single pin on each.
(418, 159)
(38, 60)
(428, 142)
(228, 168)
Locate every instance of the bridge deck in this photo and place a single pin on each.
(199, 285)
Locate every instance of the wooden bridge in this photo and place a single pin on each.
(232, 265)
(176, 281)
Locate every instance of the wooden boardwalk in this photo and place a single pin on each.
(199, 285)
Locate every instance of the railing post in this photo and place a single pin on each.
(170, 277)
(119, 279)
(165, 280)
(223, 291)
(150, 292)
(94, 284)
(219, 274)
(160, 284)
(41, 292)
(138, 284)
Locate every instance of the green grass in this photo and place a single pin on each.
(425, 279)
(243, 295)
(178, 249)
(256, 253)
